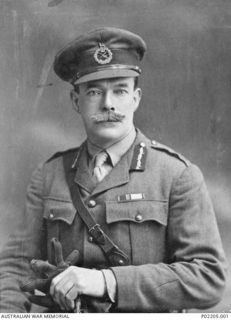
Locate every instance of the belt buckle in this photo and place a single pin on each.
(98, 234)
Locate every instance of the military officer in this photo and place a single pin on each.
(152, 243)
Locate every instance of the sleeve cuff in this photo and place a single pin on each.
(110, 284)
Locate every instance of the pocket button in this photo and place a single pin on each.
(138, 217)
(121, 262)
(51, 215)
(91, 204)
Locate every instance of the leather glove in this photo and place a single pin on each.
(45, 272)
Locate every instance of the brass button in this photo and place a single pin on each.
(91, 204)
(51, 216)
(154, 143)
(121, 262)
(91, 239)
(142, 144)
(139, 217)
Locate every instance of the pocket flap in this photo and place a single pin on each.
(55, 209)
(137, 211)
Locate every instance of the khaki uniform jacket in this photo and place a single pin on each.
(159, 214)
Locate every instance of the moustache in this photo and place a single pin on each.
(110, 116)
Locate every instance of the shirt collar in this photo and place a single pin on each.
(115, 151)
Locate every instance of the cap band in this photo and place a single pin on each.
(104, 68)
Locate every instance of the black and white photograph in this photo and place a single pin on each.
(115, 163)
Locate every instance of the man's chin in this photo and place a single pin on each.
(107, 124)
(107, 133)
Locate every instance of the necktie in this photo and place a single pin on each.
(101, 168)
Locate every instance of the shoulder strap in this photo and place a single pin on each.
(58, 154)
(170, 151)
(114, 255)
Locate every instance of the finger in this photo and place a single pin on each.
(70, 304)
(39, 284)
(60, 294)
(77, 308)
(62, 275)
(57, 251)
(44, 301)
(61, 283)
(71, 297)
(59, 300)
(54, 283)
(42, 267)
(73, 258)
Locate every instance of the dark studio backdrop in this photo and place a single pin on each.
(186, 84)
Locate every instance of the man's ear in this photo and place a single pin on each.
(137, 97)
(75, 100)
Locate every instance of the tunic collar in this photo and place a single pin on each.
(115, 151)
(118, 176)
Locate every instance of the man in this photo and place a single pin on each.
(147, 203)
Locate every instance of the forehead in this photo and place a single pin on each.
(123, 82)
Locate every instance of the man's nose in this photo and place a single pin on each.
(108, 102)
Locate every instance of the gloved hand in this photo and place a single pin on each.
(45, 272)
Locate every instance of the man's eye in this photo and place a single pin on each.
(121, 91)
(93, 93)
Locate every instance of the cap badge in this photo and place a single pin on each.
(103, 54)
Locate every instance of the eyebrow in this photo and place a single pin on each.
(91, 85)
(121, 85)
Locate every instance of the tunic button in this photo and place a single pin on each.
(139, 217)
(120, 262)
(51, 216)
(91, 204)
(142, 144)
(90, 239)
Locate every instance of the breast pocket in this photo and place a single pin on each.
(59, 210)
(146, 223)
(58, 216)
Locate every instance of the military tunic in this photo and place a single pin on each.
(154, 206)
